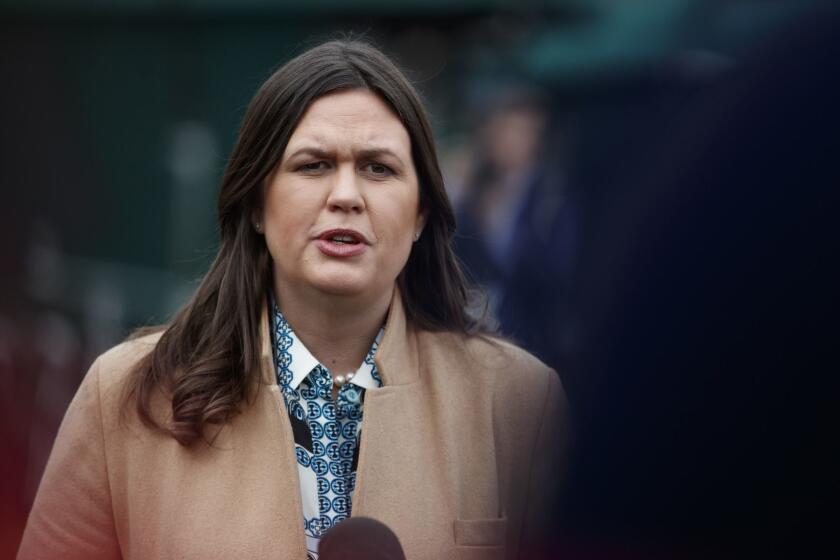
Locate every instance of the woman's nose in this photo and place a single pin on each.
(345, 194)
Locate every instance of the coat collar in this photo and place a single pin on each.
(396, 357)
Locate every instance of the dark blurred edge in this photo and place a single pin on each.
(705, 393)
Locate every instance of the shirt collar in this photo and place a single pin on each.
(397, 359)
(367, 376)
(294, 362)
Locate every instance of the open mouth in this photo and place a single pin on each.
(349, 239)
(342, 236)
(342, 243)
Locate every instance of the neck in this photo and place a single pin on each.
(337, 330)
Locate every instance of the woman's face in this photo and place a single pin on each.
(341, 210)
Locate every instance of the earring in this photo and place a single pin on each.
(416, 236)
(258, 227)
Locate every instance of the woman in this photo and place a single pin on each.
(248, 426)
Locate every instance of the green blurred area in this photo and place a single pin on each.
(118, 116)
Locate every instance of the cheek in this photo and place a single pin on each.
(398, 226)
(288, 208)
(281, 230)
(404, 211)
(400, 238)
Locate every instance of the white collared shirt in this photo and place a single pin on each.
(326, 432)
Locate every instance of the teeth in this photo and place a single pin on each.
(343, 239)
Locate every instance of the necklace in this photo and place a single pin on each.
(341, 380)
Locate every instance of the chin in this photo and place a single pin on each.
(343, 290)
(347, 285)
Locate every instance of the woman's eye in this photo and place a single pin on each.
(378, 169)
(314, 166)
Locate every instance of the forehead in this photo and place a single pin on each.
(350, 119)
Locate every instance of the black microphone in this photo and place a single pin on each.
(360, 538)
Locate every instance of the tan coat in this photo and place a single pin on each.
(455, 456)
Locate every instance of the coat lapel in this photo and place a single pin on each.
(287, 478)
(397, 358)
(395, 481)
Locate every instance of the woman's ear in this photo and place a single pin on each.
(257, 221)
(258, 211)
(422, 216)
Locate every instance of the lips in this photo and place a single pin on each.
(341, 243)
(343, 236)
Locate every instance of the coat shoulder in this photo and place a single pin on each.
(115, 365)
(500, 353)
(493, 358)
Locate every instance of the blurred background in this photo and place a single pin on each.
(628, 178)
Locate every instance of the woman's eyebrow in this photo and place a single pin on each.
(311, 151)
(366, 153)
(374, 153)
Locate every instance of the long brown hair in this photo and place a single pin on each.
(209, 355)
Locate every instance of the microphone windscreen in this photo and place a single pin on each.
(360, 538)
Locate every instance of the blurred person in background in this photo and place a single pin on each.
(335, 297)
(705, 390)
(518, 227)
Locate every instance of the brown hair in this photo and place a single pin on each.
(209, 355)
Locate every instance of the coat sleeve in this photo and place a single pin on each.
(545, 481)
(72, 516)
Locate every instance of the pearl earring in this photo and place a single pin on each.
(258, 227)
